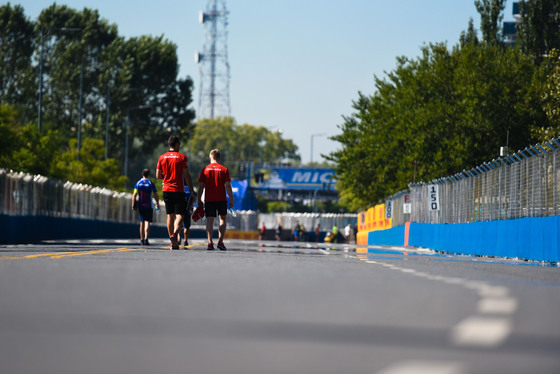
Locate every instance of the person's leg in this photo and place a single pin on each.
(142, 230)
(187, 232)
(209, 228)
(147, 228)
(171, 223)
(178, 224)
(222, 229)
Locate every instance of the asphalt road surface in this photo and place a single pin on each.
(268, 307)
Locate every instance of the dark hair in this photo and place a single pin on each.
(145, 173)
(172, 141)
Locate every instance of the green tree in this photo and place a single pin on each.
(435, 116)
(22, 148)
(16, 49)
(551, 98)
(491, 16)
(538, 31)
(91, 169)
(469, 36)
(240, 145)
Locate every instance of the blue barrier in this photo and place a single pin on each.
(536, 239)
(393, 236)
(29, 229)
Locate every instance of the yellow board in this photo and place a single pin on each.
(374, 219)
(362, 237)
(246, 235)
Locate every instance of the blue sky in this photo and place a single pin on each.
(295, 65)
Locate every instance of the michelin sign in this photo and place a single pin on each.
(301, 179)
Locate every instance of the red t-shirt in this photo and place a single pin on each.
(172, 165)
(214, 177)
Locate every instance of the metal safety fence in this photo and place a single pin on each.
(523, 184)
(25, 194)
(35, 195)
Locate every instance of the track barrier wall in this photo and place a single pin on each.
(35, 208)
(509, 207)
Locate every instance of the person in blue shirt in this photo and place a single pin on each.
(144, 189)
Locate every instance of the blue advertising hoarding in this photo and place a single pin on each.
(300, 179)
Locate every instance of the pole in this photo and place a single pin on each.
(80, 110)
(311, 152)
(107, 123)
(41, 63)
(126, 144)
(127, 123)
(40, 119)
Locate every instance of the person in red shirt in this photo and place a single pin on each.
(214, 182)
(173, 168)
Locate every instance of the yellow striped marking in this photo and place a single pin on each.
(70, 254)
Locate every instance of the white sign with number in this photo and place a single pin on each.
(389, 209)
(433, 197)
(407, 206)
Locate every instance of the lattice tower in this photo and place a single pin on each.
(213, 62)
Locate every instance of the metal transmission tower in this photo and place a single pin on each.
(213, 62)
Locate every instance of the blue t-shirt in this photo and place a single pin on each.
(144, 187)
(187, 193)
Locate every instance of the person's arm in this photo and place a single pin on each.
(188, 180)
(230, 193)
(201, 186)
(134, 194)
(157, 198)
(159, 174)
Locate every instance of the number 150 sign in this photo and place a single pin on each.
(433, 197)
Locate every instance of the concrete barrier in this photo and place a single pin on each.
(536, 239)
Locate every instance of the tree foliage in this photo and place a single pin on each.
(16, 50)
(23, 149)
(240, 145)
(538, 31)
(435, 116)
(117, 79)
(451, 109)
(491, 20)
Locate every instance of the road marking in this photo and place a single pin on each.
(504, 305)
(481, 331)
(69, 254)
(425, 367)
(485, 328)
(82, 253)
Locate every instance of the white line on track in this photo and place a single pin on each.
(488, 328)
(481, 331)
(424, 367)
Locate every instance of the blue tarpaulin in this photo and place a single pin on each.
(244, 199)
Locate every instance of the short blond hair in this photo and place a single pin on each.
(215, 154)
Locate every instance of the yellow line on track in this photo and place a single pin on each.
(70, 254)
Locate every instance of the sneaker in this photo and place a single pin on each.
(174, 244)
(221, 246)
(141, 242)
(146, 242)
(210, 247)
(186, 243)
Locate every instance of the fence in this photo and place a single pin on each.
(23, 194)
(524, 184)
(308, 220)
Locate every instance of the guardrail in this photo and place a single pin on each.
(23, 194)
(523, 184)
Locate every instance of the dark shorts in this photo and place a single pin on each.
(190, 208)
(146, 215)
(210, 208)
(175, 203)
